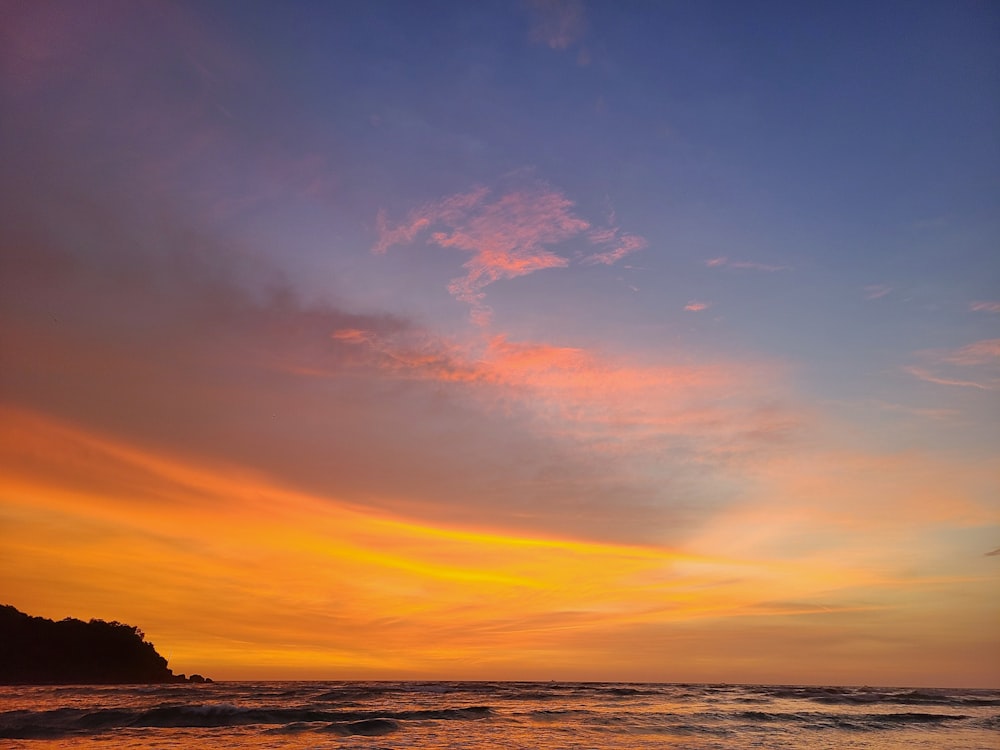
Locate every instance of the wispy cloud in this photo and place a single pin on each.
(980, 360)
(592, 399)
(696, 306)
(925, 375)
(877, 291)
(976, 353)
(985, 306)
(325, 398)
(994, 553)
(724, 262)
(557, 23)
(399, 234)
(624, 244)
(506, 236)
(508, 239)
(351, 335)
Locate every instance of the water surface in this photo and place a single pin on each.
(496, 716)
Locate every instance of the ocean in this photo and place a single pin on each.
(495, 715)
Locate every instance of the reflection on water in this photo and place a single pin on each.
(496, 715)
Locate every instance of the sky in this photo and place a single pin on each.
(552, 339)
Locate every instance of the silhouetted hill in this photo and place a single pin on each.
(35, 650)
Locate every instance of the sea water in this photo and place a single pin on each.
(496, 715)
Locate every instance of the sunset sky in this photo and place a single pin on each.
(507, 340)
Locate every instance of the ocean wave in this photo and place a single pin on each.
(295, 727)
(913, 718)
(860, 721)
(66, 722)
(357, 714)
(989, 722)
(550, 716)
(882, 696)
(364, 728)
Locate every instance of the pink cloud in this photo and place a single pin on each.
(626, 244)
(696, 306)
(604, 235)
(450, 210)
(387, 237)
(724, 262)
(984, 306)
(506, 239)
(506, 236)
(605, 404)
(976, 353)
(351, 335)
(609, 403)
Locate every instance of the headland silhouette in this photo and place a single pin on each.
(39, 651)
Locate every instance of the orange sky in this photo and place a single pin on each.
(322, 359)
(240, 577)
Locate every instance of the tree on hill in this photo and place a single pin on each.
(36, 650)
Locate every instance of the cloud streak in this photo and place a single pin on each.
(624, 245)
(953, 367)
(977, 353)
(923, 374)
